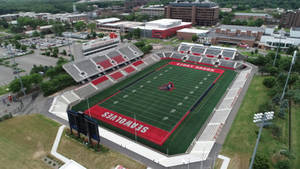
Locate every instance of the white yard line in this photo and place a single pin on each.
(225, 163)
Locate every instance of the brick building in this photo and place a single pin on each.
(232, 34)
(188, 33)
(290, 19)
(199, 13)
(254, 16)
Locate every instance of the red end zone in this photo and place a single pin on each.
(141, 129)
(128, 124)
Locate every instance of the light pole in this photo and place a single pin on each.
(16, 69)
(277, 48)
(287, 79)
(260, 119)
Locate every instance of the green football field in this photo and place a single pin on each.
(161, 108)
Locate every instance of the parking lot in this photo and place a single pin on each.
(45, 43)
(25, 63)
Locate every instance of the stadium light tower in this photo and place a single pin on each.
(287, 79)
(274, 61)
(261, 120)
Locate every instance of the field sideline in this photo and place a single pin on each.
(180, 140)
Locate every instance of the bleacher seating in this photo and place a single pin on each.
(197, 50)
(213, 52)
(177, 56)
(99, 80)
(207, 61)
(85, 91)
(71, 70)
(194, 58)
(227, 64)
(103, 61)
(116, 56)
(183, 48)
(116, 75)
(161, 55)
(168, 54)
(129, 69)
(136, 50)
(127, 52)
(87, 66)
(228, 54)
(149, 60)
(102, 82)
(119, 59)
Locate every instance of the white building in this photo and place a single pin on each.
(295, 32)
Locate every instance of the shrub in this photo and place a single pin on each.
(283, 164)
(269, 82)
(261, 162)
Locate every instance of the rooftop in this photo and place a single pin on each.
(163, 24)
(191, 30)
(247, 28)
(252, 14)
(197, 3)
(125, 24)
(107, 20)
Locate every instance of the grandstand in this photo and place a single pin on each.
(104, 61)
(208, 51)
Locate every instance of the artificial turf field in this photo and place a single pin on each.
(139, 96)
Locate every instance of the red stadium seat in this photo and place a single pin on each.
(116, 75)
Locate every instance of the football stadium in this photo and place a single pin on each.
(167, 106)
(161, 101)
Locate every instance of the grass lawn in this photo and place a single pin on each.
(241, 139)
(91, 159)
(296, 135)
(25, 140)
(3, 90)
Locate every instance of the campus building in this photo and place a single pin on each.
(163, 28)
(123, 26)
(198, 13)
(188, 33)
(290, 19)
(153, 10)
(232, 34)
(272, 39)
(254, 16)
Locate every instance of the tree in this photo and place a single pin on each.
(64, 52)
(101, 35)
(23, 47)
(79, 26)
(194, 38)
(291, 49)
(35, 34)
(269, 82)
(58, 29)
(284, 164)
(136, 33)
(92, 27)
(261, 162)
(33, 46)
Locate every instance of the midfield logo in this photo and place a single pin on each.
(168, 87)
